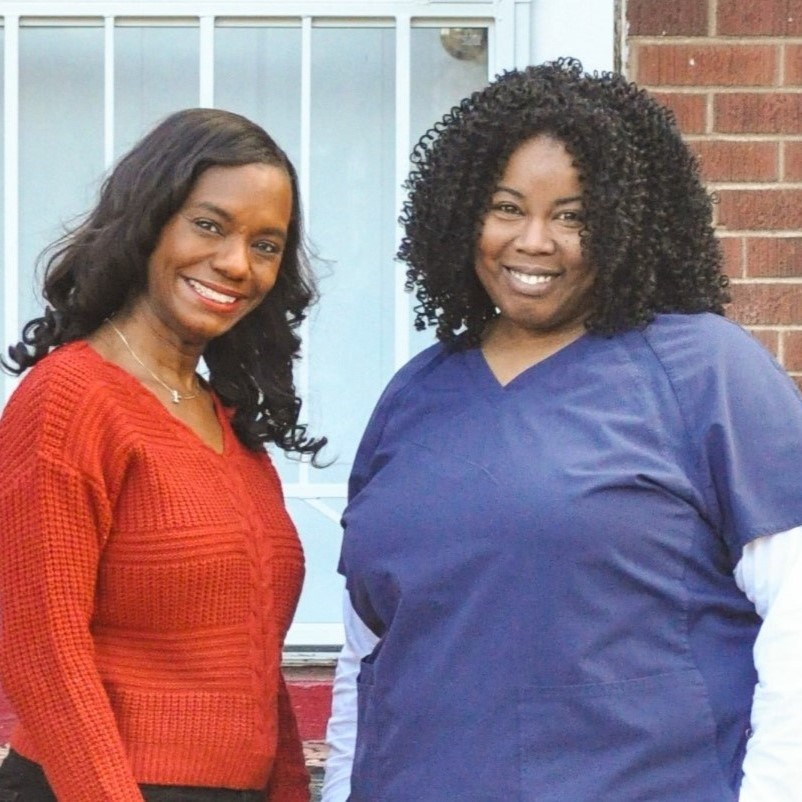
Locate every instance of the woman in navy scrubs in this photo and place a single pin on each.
(572, 547)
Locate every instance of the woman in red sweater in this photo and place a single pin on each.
(150, 570)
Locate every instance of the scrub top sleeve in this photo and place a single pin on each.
(770, 574)
(341, 730)
(754, 447)
(744, 419)
(361, 470)
(363, 462)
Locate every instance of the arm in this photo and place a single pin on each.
(53, 519)
(289, 781)
(770, 574)
(341, 730)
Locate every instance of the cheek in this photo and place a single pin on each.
(167, 253)
(156, 269)
(488, 245)
(576, 258)
(267, 279)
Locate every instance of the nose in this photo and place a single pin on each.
(535, 236)
(232, 257)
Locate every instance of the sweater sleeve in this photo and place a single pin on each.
(289, 781)
(49, 518)
(53, 519)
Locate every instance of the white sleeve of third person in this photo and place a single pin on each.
(341, 730)
(770, 574)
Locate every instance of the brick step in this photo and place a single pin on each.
(310, 692)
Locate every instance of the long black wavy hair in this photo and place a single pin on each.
(101, 265)
(648, 219)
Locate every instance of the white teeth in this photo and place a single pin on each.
(203, 290)
(526, 278)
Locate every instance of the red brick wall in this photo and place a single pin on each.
(732, 72)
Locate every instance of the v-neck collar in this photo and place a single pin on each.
(134, 386)
(570, 352)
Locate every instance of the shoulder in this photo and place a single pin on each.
(702, 334)
(61, 380)
(711, 347)
(65, 363)
(405, 381)
(64, 402)
(413, 373)
(719, 371)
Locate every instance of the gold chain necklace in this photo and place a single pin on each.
(174, 394)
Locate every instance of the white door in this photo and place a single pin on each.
(345, 87)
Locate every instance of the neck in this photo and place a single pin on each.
(511, 350)
(160, 347)
(157, 360)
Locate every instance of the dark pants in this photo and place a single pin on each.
(21, 780)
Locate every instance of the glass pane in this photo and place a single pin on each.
(447, 64)
(60, 139)
(320, 535)
(156, 72)
(258, 74)
(351, 225)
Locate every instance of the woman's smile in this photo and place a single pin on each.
(529, 256)
(533, 281)
(211, 294)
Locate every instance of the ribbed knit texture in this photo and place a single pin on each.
(146, 587)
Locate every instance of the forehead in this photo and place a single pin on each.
(541, 159)
(247, 187)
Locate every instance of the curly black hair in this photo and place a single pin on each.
(648, 219)
(101, 265)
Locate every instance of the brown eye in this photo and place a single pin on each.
(207, 225)
(267, 248)
(505, 207)
(573, 217)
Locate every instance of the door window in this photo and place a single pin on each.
(346, 95)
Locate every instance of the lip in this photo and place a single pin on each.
(531, 280)
(216, 303)
(532, 270)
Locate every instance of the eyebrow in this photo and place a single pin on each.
(215, 209)
(557, 202)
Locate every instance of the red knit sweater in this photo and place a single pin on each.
(146, 586)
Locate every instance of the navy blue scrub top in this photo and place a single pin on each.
(549, 567)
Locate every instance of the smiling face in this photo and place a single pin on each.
(219, 255)
(529, 257)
